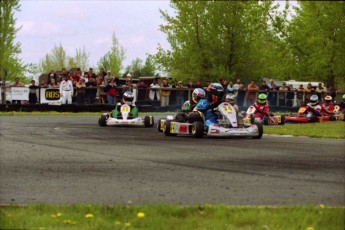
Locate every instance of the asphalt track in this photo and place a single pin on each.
(70, 159)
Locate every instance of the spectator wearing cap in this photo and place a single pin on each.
(165, 92)
(282, 94)
(180, 93)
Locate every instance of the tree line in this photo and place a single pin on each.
(210, 40)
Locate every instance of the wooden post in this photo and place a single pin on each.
(3, 91)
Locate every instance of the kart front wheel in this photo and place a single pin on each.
(102, 121)
(261, 130)
(159, 125)
(266, 120)
(198, 129)
(148, 121)
(167, 128)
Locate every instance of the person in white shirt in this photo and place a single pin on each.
(154, 90)
(66, 91)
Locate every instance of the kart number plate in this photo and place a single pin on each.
(227, 109)
(278, 119)
(302, 110)
(336, 109)
(125, 109)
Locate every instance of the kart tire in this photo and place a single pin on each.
(102, 121)
(261, 130)
(159, 126)
(167, 127)
(282, 120)
(332, 118)
(266, 120)
(198, 129)
(148, 121)
(252, 119)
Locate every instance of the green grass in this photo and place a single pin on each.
(171, 217)
(331, 129)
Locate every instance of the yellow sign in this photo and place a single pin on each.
(52, 94)
(172, 127)
(301, 110)
(125, 109)
(227, 109)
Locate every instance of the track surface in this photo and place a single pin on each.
(70, 159)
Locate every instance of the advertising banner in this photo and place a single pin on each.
(50, 96)
(20, 93)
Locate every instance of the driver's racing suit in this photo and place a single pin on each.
(313, 110)
(205, 107)
(261, 110)
(116, 113)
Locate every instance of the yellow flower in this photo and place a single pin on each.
(58, 214)
(117, 222)
(89, 216)
(322, 206)
(69, 222)
(141, 215)
(127, 224)
(41, 228)
(310, 228)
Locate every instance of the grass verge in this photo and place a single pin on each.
(332, 129)
(171, 217)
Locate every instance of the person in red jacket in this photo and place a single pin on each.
(327, 107)
(261, 107)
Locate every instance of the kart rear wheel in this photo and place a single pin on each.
(167, 128)
(159, 125)
(198, 129)
(282, 120)
(261, 130)
(102, 121)
(266, 120)
(149, 121)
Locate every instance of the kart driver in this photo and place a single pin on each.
(206, 106)
(261, 107)
(127, 98)
(327, 107)
(313, 107)
(230, 98)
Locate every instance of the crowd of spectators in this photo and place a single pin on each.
(104, 87)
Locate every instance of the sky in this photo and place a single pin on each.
(90, 24)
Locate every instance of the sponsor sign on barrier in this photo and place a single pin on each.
(50, 96)
(20, 93)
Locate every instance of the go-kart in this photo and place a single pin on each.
(228, 125)
(125, 119)
(268, 119)
(305, 116)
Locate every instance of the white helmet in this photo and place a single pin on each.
(230, 98)
(314, 99)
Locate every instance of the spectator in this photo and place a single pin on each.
(320, 91)
(299, 95)
(282, 94)
(223, 83)
(53, 84)
(237, 86)
(43, 83)
(180, 93)
(198, 84)
(165, 94)
(102, 73)
(33, 92)
(154, 93)
(332, 92)
(89, 74)
(231, 88)
(252, 90)
(208, 82)
(75, 77)
(272, 84)
(264, 87)
(106, 77)
(80, 91)
(307, 93)
(190, 84)
(241, 94)
(66, 91)
(290, 96)
(111, 90)
(61, 75)
(142, 89)
(17, 83)
(91, 90)
(52, 75)
(272, 95)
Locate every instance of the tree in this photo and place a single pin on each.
(214, 39)
(81, 59)
(149, 67)
(9, 50)
(112, 60)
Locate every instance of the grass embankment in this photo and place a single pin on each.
(331, 129)
(171, 217)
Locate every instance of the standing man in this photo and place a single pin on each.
(66, 90)
(32, 92)
(165, 94)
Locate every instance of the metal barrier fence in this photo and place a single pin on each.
(152, 97)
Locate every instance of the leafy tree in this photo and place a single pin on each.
(81, 59)
(149, 67)
(113, 59)
(9, 50)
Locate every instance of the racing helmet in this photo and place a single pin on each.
(262, 98)
(314, 99)
(328, 99)
(197, 94)
(127, 98)
(230, 98)
(216, 91)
